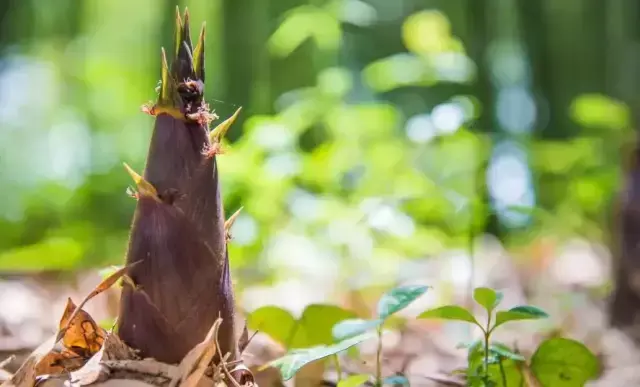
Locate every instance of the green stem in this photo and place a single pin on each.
(379, 359)
(502, 373)
(336, 359)
(487, 333)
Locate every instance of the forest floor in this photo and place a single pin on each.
(424, 351)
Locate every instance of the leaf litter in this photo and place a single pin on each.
(82, 353)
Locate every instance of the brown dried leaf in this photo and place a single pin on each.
(26, 374)
(82, 335)
(59, 362)
(104, 285)
(243, 341)
(95, 369)
(194, 365)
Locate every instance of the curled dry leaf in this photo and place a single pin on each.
(82, 339)
(104, 285)
(82, 335)
(193, 366)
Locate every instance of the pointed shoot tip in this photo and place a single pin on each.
(219, 131)
(164, 77)
(144, 186)
(186, 16)
(232, 219)
(198, 55)
(163, 54)
(229, 223)
(178, 18)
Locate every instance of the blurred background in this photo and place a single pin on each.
(452, 143)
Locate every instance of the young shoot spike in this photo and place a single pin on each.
(144, 187)
(179, 31)
(229, 223)
(188, 53)
(198, 55)
(219, 131)
(186, 30)
(166, 86)
(182, 65)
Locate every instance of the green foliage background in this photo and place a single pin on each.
(338, 151)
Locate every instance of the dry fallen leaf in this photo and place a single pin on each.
(104, 285)
(26, 374)
(58, 362)
(82, 339)
(82, 336)
(193, 366)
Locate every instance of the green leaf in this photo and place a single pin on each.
(354, 380)
(498, 366)
(450, 312)
(505, 352)
(291, 363)
(487, 298)
(396, 380)
(353, 327)
(316, 324)
(313, 328)
(397, 299)
(526, 312)
(276, 322)
(561, 362)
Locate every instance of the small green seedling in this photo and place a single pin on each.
(312, 328)
(325, 330)
(295, 359)
(345, 333)
(390, 303)
(494, 364)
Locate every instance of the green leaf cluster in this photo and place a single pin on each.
(557, 362)
(327, 329)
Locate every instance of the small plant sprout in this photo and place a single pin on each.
(489, 299)
(390, 303)
(495, 364)
(326, 330)
(323, 331)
